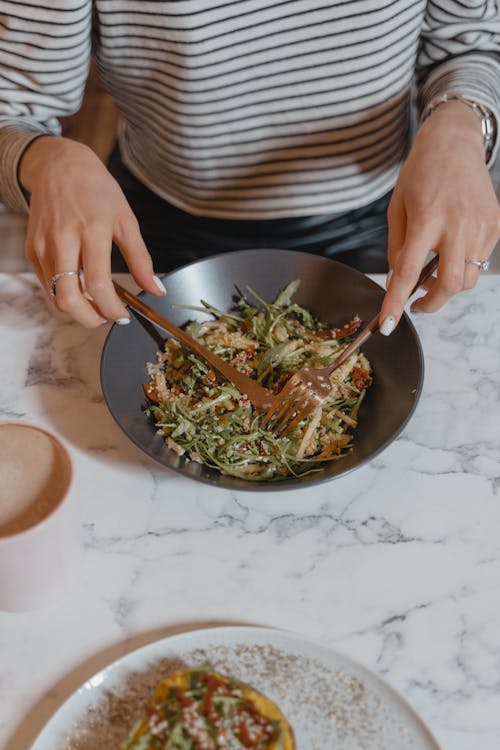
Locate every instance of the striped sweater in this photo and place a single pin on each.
(246, 108)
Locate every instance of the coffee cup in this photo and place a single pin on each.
(40, 537)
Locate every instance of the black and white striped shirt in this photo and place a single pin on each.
(246, 108)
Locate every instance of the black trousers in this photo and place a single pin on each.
(174, 237)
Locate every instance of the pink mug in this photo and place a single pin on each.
(40, 536)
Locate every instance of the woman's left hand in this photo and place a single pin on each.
(443, 201)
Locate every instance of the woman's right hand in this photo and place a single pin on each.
(77, 209)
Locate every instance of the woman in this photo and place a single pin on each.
(252, 122)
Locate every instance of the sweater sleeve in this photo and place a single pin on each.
(460, 54)
(44, 62)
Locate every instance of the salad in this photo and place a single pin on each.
(206, 419)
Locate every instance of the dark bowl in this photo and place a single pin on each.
(331, 290)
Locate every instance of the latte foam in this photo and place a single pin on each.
(35, 474)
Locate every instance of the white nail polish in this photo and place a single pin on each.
(387, 326)
(123, 321)
(388, 278)
(159, 284)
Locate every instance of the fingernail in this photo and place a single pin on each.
(388, 278)
(123, 321)
(387, 326)
(159, 284)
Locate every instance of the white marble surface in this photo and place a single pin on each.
(396, 565)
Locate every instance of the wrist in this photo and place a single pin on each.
(43, 153)
(463, 116)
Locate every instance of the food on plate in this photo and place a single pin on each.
(200, 709)
(205, 418)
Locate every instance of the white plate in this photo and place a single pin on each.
(330, 701)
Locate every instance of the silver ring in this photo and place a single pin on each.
(55, 278)
(483, 265)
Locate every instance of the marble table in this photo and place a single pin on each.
(396, 565)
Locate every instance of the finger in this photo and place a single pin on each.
(128, 237)
(471, 274)
(404, 277)
(68, 290)
(428, 283)
(480, 251)
(396, 221)
(423, 289)
(451, 272)
(35, 253)
(426, 286)
(37, 268)
(69, 299)
(96, 257)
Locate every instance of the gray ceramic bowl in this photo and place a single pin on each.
(333, 291)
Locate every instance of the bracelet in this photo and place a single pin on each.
(488, 122)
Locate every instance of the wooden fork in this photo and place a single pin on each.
(259, 396)
(310, 386)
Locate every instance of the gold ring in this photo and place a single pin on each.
(55, 278)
